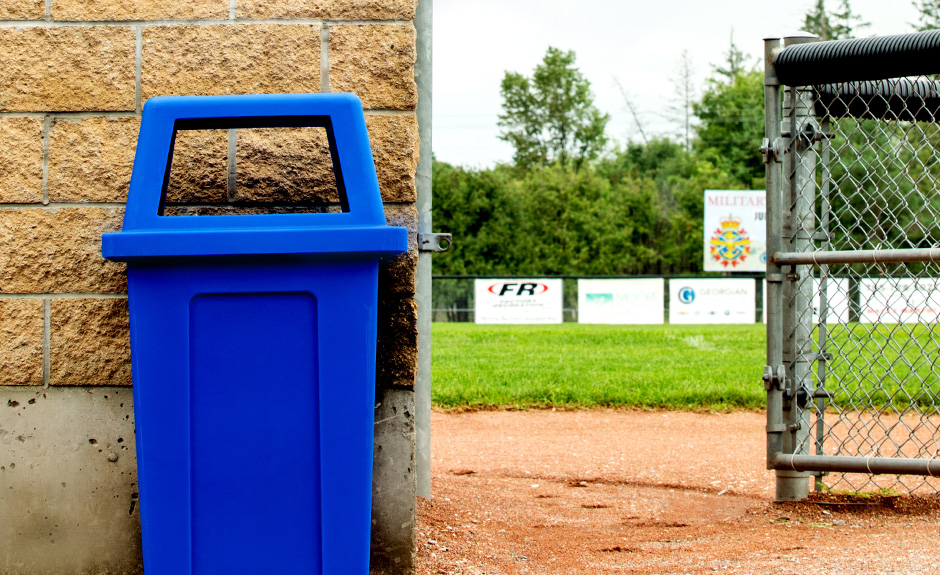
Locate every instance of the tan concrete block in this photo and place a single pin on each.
(199, 174)
(375, 61)
(286, 166)
(395, 149)
(20, 342)
(110, 10)
(397, 352)
(329, 9)
(89, 342)
(69, 482)
(397, 274)
(67, 69)
(90, 160)
(230, 59)
(22, 9)
(21, 168)
(58, 251)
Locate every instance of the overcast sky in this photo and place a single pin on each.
(638, 42)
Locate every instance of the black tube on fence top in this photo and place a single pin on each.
(895, 99)
(860, 59)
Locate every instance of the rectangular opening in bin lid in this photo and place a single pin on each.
(360, 227)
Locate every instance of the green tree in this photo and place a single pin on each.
(928, 15)
(551, 116)
(829, 25)
(480, 210)
(731, 126)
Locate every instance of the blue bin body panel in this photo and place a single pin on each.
(253, 356)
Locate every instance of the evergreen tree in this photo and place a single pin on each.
(679, 109)
(928, 15)
(828, 25)
(735, 62)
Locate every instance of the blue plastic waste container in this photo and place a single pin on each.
(253, 351)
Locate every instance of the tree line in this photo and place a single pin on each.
(571, 202)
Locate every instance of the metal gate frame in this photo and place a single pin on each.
(794, 143)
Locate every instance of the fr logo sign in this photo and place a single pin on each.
(517, 289)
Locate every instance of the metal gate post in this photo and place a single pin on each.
(798, 229)
(773, 153)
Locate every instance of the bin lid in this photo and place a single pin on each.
(359, 229)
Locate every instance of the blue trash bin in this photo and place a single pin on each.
(253, 352)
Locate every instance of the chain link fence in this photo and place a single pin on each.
(855, 281)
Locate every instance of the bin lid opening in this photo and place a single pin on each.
(230, 170)
(358, 227)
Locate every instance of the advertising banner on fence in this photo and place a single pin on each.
(735, 231)
(899, 300)
(699, 301)
(518, 301)
(837, 300)
(621, 301)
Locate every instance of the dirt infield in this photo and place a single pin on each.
(605, 491)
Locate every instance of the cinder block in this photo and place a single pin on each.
(68, 482)
(111, 10)
(397, 352)
(22, 9)
(397, 274)
(20, 342)
(375, 61)
(393, 484)
(89, 342)
(199, 174)
(395, 149)
(67, 69)
(21, 168)
(58, 251)
(285, 166)
(90, 159)
(329, 9)
(230, 59)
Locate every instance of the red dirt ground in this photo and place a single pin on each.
(607, 491)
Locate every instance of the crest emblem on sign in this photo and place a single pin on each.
(730, 244)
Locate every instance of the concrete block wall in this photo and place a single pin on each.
(74, 75)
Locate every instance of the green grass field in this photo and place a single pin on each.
(571, 365)
(710, 367)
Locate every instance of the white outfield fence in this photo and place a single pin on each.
(853, 245)
(597, 300)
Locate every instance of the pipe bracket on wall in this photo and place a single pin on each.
(435, 242)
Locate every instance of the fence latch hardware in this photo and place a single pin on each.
(434, 242)
(823, 357)
(774, 278)
(774, 152)
(810, 133)
(774, 378)
(822, 393)
(802, 396)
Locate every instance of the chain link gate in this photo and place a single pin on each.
(853, 279)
